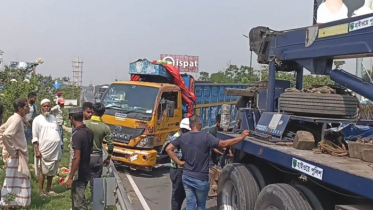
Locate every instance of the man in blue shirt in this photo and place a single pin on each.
(176, 172)
(196, 146)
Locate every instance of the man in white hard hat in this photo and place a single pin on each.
(176, 172)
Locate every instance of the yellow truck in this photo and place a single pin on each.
(143, 114)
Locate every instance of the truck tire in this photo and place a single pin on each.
(237, 188)
(281, 197)
(319, 104)
(260, 180)
(311, 197)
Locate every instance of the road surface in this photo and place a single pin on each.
(88, 97)
(154, 187)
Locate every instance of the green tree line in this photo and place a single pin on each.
(17, 83)
(245, 75)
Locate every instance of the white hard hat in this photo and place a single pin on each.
(185, 123)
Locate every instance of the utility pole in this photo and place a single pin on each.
(77, 74)
(359, 65)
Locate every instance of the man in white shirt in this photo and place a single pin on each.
(47, 145)
(57, 111)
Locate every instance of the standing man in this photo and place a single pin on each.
(81, 147)
(196, 146)
(100, 131)
(57, 111)
(31, 98)
(87, 110)
(176, 172)
(47, 146)
(15, 156)
(215, 152)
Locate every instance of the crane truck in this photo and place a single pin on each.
(144, 112)
(305, 149)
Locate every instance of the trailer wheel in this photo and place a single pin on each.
(237, 188)
(260, 180)
(311, 197)
(281, 197)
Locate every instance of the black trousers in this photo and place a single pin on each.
(96, 164)
(77, 195)
(178, 192)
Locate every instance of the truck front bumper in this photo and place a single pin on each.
(134, 157)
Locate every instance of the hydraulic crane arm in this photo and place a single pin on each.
(315, 48)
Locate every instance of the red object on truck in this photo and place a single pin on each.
(187, 95)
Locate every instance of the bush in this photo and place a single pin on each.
(17, 83)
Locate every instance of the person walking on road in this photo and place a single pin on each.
(100, 131)
(196, 146)
(57, 111)
(176, 172)
(47, 145)
(81, 149)
(15, 156)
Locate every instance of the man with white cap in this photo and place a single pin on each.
(47, 145)
(176, 172)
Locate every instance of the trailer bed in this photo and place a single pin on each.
(347, 173)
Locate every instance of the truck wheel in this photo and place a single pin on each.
(237, 188)
(311, 197)
(260, 180)
(281, 197)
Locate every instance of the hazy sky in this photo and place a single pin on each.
(108, 35)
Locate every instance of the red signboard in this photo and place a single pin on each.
(184, 63)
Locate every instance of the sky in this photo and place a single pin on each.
(108, 35)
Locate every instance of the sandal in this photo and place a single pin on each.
(52, 193)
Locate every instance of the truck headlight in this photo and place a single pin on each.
(146, 142)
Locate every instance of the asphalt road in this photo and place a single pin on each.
(155, 187)
(88, 97)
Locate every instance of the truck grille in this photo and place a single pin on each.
(124, 134)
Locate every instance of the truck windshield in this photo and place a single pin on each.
(130, 98)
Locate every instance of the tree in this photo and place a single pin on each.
(219, 77)
(204, 76)
(17, 83)
(366, 75)
(339, 64)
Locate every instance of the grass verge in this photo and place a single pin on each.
(61, 202)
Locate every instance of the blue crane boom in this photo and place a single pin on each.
(315, 48)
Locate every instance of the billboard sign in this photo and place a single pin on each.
(332, 10)
(20, 65)
(184, 63)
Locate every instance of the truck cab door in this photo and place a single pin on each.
(169, 115)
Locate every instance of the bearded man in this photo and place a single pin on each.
(47, 146)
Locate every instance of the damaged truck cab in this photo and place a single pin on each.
(143, 114)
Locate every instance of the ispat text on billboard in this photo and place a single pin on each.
(184, 63)
(332, 10)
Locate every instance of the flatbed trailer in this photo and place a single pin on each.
(280, 166)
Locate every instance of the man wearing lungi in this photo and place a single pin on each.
(47, 145)
(16, 191)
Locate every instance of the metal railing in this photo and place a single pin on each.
(109, 190)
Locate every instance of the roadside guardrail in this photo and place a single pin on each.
(109, 190)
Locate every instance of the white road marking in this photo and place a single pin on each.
(137, 191)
